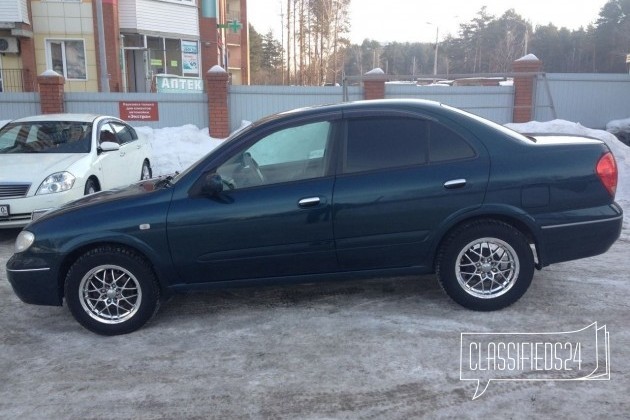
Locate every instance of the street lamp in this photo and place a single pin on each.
(437, 45)
(437, 34)
(435, 52)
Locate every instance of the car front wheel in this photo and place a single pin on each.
(91, 187)
(485, 265)
(146, 172)
(111, 290)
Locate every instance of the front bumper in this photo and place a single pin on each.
(34, 281)
(22, 209)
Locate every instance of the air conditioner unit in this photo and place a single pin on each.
(9, 45)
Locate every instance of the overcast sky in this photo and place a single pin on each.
(406, 20)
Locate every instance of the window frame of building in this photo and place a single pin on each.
(63, 41)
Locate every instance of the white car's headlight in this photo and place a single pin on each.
(57, 182)
(24, 241)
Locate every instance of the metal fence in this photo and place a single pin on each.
(175, 109)
(250, 103)
(17, 105)
(590, 99)
(495, 103)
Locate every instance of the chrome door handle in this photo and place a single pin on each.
(455, 183)
(309, 202)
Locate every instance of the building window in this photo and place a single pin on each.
(67, 57)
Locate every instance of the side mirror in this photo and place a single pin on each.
(212, 185)
(109, 146)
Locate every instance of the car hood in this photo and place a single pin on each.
(34, 167)
(103, 197)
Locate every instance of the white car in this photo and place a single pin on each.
(49, 160)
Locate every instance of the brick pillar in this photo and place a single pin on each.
(51, 92)
(524, 87)
(374, 84)
(217, 90)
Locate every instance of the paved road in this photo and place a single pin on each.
(385, 348)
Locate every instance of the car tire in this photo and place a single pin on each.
(146, 171)
(91, 186)
(112, 290)
(485, 265)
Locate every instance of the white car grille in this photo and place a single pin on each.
(13, 190)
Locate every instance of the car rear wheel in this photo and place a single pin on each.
(485, 265)
(146, 171)
(111, 291)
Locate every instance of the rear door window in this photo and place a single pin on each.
(385, 142)
(445, 145)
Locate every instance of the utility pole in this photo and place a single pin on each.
(102, 58)
(437, 33)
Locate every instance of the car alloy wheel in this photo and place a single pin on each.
(487, 268)
(110, 294)
(112, 290)
(485, 265)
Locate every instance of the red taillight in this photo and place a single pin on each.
(607, 172)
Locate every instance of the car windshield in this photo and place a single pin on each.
(46, 137)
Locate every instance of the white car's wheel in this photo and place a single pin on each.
(91, 186)
(146, 172)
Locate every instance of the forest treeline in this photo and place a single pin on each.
(314, 48)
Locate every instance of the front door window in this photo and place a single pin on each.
(291, 154)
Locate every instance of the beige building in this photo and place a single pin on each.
(145, 41)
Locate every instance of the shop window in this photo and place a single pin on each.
(173, 56)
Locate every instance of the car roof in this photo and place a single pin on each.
(365, 105)
(368, 104)
(61, 117)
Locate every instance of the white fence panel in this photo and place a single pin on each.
(495, 103)
(250, 103)
(17, 105)
(174, 109)
(590, 99)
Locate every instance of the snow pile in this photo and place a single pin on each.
(618, 126)
(621, 129)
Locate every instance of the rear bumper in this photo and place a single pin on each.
(582, 238)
